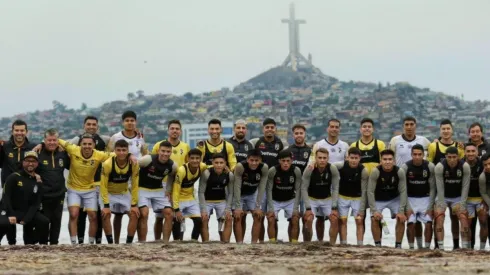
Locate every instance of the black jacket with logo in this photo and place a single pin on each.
(51, 168)
(11, 157)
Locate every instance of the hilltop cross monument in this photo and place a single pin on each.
(294, 58)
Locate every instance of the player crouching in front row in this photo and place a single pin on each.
(283, 193)
(216, 193)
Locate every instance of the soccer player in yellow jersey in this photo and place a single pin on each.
(369, 146)
(215, 144)
(114, 184)
(84, 161)
(437, 149)
(184, 203)
(179, 156)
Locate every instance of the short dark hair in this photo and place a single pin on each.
(194, 151)
(333, 120)
(322, 150)
(218, 156)
(485, 157)
(354, 151)
(86, 135)
(214, 121)
(284, 154)
(367, 119)
(300, 126)
(130, 114)
(469, 144)
(90, 118)
(174, 121)
(410, 118)
(475, 124)
(165, 143)
(446, 121)
(268, 121)
(452, 150)
(417, 147)
(254, 153)
(19, 122)
(122, 143)
(387, 152)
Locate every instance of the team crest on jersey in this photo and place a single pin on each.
(11, 155)
(291, 179)
(181, 151)
(246, 147)
(425, 174)
(60, 163)
(137, 144)
(35, 189)
(410, 174)
(459, 173)
(224, 181)
(278, 180)
(96, 142)
(276, 146)
(306, 155)
(257, 176)
(92, 162)
(166, 171)
(446, 174)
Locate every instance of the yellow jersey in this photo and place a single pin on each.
(115, 180)
(223, 147)
(179, 152)
(183, 187)
(370, 153)
(82, 170)
(437, 151)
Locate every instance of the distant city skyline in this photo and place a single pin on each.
(97, 51)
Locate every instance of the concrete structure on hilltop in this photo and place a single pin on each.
(193, 133)
(295, 59)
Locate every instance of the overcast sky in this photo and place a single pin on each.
(94, 51)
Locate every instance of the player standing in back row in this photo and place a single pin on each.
(402, 146)
(337, 148)
(216, 144)
(240, 144)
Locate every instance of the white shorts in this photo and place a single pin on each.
(349, 203)
(453, 203)
(118, 203)
(83, 199)
(419, 208)
(287, 206)
(158, 200)
(190, 209)
(393, 206)
(248, 202)
(474, 205)
(321, 208)
(219, 207)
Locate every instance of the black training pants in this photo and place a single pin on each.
(39, 222)
(53, 210)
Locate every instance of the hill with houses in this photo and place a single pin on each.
(306, 96)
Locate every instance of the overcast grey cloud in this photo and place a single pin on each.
(94, 51)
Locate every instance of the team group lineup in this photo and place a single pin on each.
(109, 177)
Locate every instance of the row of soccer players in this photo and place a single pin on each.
(269, 144)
